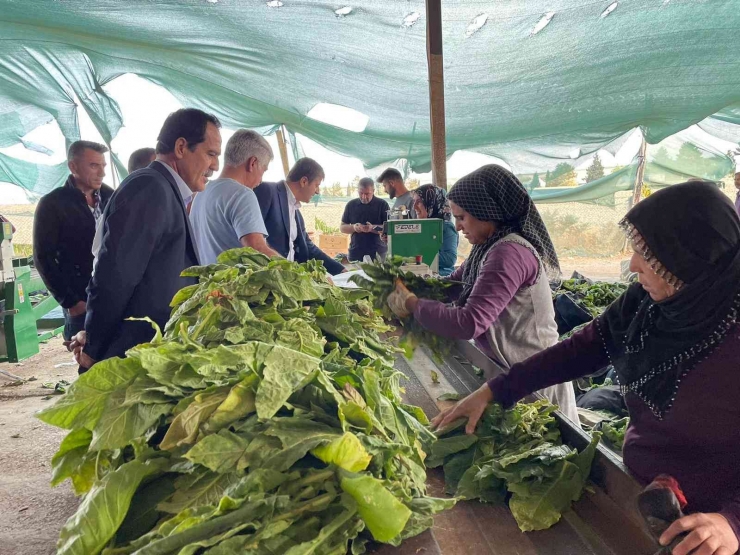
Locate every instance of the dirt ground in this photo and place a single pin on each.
(32, 512)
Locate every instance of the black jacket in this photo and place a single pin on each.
(273, 199)
(63, 231)
(146, 243)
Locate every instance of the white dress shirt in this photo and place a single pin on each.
(293, 207)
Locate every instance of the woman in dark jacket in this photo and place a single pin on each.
(674, 341)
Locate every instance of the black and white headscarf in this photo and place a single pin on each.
(494, 194)
(435, 201)
(690, 235)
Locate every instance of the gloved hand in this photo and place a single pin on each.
(397, 300)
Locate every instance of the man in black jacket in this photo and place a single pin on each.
(63, 231)
(280, 205)
(147, 240)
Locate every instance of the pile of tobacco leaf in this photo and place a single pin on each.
(515, 454)
(595, 297)
(382, 282)
(267, 418)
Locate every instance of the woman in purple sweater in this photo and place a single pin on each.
(674, 341)
(505, 303)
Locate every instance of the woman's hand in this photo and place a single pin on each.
(402, 301)
(708, 534)
(471, 407)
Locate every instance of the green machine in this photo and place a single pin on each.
(23, 305)
(416, 238)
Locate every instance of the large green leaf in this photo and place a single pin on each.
(163, 362)
(297, 436)
(219, 452)
(120, 424)
(326, 540)
(238, 403)
(69, 459)
(201, 487)
(290, 284)
(186, 426)
(445, 447)
(84, 402)
(538, 504)
(384, 515)
(285, 372)
(346, 452)
(104, 508)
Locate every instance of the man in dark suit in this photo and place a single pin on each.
(280, 206)
(63, 231)
(147, 240)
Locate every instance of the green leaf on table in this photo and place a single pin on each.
(104, 508)
(219, 452)
(346, 452)
(384, 515)
(86, 399)
(539, 504)
(201, 487)
(356, 416)
(71, 454)
(186, 426)
(445, 447)
(297, 436)
(120, 424)
(239, 403)
(285, 372)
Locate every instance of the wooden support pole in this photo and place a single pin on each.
(436, 92)
(283, 150)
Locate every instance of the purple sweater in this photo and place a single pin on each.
(507, 268)
(697, 442)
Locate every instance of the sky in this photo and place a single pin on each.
(145, 106)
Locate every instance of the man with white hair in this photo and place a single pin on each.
(227, 215)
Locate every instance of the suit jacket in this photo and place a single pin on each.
(147, 242)
(63, 231)
(273, 199)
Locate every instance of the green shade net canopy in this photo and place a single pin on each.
(530, 82)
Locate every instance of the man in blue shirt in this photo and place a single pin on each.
(227, 215)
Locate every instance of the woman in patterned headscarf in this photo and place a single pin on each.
(505, 303)
(674, 341)
(431, 202)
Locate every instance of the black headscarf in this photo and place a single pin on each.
(494, 194)
(690, 235)
(435, 201)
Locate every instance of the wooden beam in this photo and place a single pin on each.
(283, 150)
(436, 92)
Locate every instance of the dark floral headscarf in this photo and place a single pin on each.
(434, 200)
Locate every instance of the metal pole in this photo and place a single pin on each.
(283, 150)
(436, 92)
(637, 192)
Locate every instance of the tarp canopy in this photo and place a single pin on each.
(530, 82)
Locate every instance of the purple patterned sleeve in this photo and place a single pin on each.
(507, 268)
